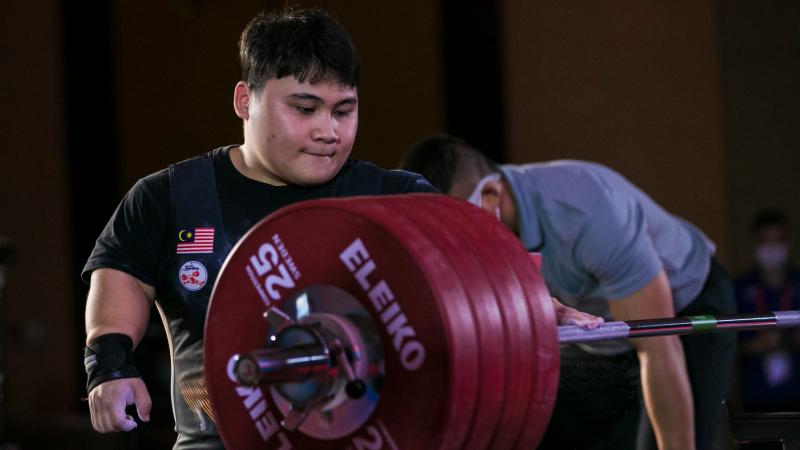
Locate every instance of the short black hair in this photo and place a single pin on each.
(445, 160)
(308, 44)
(768, 217)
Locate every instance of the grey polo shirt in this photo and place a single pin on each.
(602, 238)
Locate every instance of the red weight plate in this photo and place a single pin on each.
(307, 240)
(543, 323)
(545, 387)
(491, 336)
(399, 217)
(511, 297)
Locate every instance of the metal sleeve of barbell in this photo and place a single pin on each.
(281, 365)
(678, 325)
(788, 318)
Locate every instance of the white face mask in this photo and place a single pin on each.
(772, 256)
(476, 198)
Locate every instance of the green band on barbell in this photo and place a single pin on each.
(703, 323)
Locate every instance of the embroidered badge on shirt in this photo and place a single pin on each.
(193, 275)
(199, 240)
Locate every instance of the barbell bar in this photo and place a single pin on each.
(296, 364)
(568, 334)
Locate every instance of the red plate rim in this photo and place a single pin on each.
(442, 229)
(510, 295)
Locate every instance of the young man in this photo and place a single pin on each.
(166, 241)
(608, 249)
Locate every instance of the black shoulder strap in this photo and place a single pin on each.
(195, 201)
(195, 204)
(193, 192)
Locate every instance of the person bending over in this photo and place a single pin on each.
(610, 250)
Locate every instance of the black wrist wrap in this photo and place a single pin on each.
(107, 358)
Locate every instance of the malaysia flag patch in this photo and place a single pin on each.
(199, 240)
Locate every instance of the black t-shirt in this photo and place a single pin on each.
(140, 239)
(137, 238)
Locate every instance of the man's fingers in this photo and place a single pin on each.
(591, 322)
(581, 319)
(101, 414)
(142, 399)
(107, 403)
(93, 415)
(121, 397)
(566, 315)
(125, 423)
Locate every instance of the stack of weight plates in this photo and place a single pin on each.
(476, 365)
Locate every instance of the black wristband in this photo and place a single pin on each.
(109, 357)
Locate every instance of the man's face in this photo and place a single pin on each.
(300, 133)
(772, 247)
(493, 195)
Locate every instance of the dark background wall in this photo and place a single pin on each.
(40, 332)
(694, 101)
(635, 86)
(761, 96)
(177, 64)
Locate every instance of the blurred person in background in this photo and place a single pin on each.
(770, 359)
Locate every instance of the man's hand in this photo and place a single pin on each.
(107, 403)
(571, 316)
(118, 303)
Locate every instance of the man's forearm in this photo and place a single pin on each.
(665, 382)
(667, 393)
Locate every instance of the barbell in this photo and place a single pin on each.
(400, 322)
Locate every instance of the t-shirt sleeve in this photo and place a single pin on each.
(133, 239)
(615, 248)
(401, 182)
